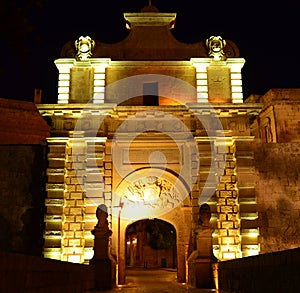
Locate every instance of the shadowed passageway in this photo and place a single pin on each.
(140, 280)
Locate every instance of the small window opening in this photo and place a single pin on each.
(150, 94)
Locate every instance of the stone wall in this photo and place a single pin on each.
(21, 123)
(287, 129)
(278, 195)
(26, 273)
(22, 195)
(271, 272)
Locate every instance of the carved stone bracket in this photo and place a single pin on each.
(216, 45)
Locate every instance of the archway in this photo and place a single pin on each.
(150, 244)
(151, 193)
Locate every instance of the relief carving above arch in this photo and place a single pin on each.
(150, 193)
(153, 192)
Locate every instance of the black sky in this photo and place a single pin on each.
(267, 35)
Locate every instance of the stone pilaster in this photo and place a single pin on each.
(221, 78)
(54, 201)
(99, 65)
(81, 81)
(247, 179)
(94, 188)
(227, 201)
(201, 78)
(73, 225)
(236, 65)
(64, 66)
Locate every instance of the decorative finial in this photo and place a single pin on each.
(84, 47)
(216, 45)
(149, 7)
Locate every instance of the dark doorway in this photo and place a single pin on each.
(151, 244)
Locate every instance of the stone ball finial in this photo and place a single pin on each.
(149, 7)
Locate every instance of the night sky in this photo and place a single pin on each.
(33, 33)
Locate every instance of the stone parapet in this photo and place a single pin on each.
(21, 123)
(270, 272)
(26, 273)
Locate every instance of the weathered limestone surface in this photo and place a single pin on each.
(278, 195)
(21, 123)
(22, 178)
(270, 272)
(242, 159)
(22, 195)
(28, 273)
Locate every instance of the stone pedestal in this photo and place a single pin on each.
(202, 259)
(103, 274)
(205, 259)
(201, 272)
(204, 274)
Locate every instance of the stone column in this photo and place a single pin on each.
(101, 260)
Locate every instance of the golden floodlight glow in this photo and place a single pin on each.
(149, 193)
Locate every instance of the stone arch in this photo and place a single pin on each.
(156, 193)
(151, 236)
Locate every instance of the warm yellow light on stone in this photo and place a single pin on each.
(74, 258)
(229, 255)
(215, 269)
(52, 253)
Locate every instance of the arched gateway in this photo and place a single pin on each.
(151, 129)
(146, 194)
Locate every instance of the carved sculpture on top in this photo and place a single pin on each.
(84, 47)
(204, 215)
(101, 214)
(101, 233)
(216, 45)
(204, 228)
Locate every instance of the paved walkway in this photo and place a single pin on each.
(154, 281)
